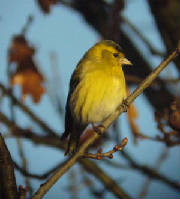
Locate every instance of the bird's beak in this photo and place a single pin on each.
(125, 61)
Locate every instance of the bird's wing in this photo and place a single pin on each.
(69, 120)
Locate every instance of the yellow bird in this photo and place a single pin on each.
(97, 88)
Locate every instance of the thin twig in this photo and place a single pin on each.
(99, 155)
(152, 173)
(36, 176)
(135, 80)
(123, 107)
(165, 139)
(27, 24)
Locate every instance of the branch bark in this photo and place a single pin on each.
(87, 164)
(8, 187)
(55, 142)
(123, 107)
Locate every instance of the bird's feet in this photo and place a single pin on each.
(98, 129)
(73, 145)
(125, 105)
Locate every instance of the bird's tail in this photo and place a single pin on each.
(73, 144)
(74, 138)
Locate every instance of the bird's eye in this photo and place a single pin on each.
(115, 54)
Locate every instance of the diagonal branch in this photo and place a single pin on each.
(122, 108)
(55, 142)
(89, 165)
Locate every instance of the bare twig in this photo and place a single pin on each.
(123, 107)
(37, 176)
(27, 25)
(109, 154)
(135, 80)
(166, 138)
(152, 173)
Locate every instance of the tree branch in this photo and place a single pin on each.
(99, 155)
(86, 163)
(56, 143)
(36, 176)
(8, 187)
(151, 173)
(123, 107)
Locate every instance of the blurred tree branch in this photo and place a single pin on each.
(166, 14)
(36, 176)
(53, 141)
(87, 164)
(163, 156)
(151, 173)
(8, 187)
(26, 110)
(143, 38)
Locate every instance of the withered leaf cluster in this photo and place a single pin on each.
(168, 122)
(26, 73)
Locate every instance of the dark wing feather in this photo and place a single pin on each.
(69, 120)
(72, 127)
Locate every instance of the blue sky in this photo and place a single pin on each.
(65, 33)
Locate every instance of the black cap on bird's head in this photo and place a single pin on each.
(112, 44)
(110, 47)
(115, 49)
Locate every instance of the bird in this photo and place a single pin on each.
(97, 87)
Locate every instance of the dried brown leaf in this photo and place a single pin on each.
(30, 80)
(20, 49)
(174, 116)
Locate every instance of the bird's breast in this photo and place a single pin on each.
(97, 96)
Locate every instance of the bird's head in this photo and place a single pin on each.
(109, 51)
